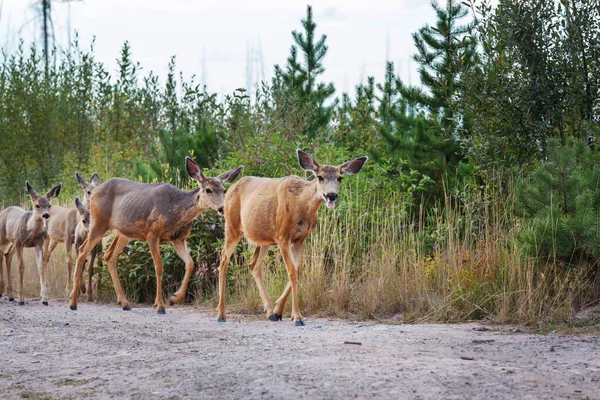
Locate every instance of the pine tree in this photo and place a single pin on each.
(419, 125)
(444, 52)
(300, 78)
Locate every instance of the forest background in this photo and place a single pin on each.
(481, 198)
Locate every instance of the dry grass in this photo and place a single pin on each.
(459, 262)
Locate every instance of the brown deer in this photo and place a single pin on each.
(19, 229)
(61, 228)
(158, 213)
(81, 233)
(279, 212)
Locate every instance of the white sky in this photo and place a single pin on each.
(360, 35)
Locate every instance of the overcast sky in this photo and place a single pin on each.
(213, 39)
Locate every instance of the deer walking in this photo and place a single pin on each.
(281, 212)
(157, 213)
(19, 229)
(61, 228)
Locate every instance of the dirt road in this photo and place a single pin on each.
(100, 351)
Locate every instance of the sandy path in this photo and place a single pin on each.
(100, 351)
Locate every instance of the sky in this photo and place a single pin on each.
(228, 44)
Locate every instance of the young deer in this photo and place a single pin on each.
(19, 229)
(81, 233)
(61, 228)
(157, 213)
(279, 212)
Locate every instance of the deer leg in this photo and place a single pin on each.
(98, 252)
(154, 245)
(297, 251)
(88, 245)
(112, 254)
(292, 259)
(256, 270)
(90, 294)
(183, 253)
(70, 261)
(231, 241)
(19, 251)
(41, 265)
(2, 271)
(8, 259)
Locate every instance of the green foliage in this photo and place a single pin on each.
(561, 200)
(300, 79)
(538, 79)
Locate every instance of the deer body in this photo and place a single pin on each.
(280, 212)
(156, 213)
(20, 229)
(61, 228)
(81, 233)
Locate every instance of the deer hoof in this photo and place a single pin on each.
(74, 308)
(161, 312)
(21, 303)
(45, 303)
(126, 308)
(275, 317)
(222, 320)
(299, 323)
(11, 299)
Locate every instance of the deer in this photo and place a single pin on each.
(280, 212)
(81, 233)
(61, 228)
(19, 229)
(157, 213)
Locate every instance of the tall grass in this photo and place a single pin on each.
(372, 258)
(462, 261)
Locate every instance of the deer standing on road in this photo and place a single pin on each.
(61, 228)
(19, 229)
(279, 212)
(158, 213)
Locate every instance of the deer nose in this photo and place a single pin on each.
(221, 210)
(45, 215)
(331, 196)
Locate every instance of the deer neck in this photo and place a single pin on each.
(36, 226)
(314, 199)
(195, 206)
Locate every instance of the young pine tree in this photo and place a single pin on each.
(300, 78)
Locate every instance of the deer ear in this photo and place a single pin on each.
(95, 179)
(80, 179)
(229, 176)
(307, 162)
(32, 193)
(194, 170)
(80, 207)
(54, 192)
(353, 166)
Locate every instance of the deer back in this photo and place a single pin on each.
(138, 210)
(62, 223)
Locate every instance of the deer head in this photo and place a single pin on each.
(212, 191)
(328, 176)
(88, 187)
(41, 204)
(84, 213)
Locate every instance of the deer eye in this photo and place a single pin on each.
(37, 206)
(339, 178)
(320, 178)
(89, 192)
(208, 191)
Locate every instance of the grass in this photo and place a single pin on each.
(369, 259)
